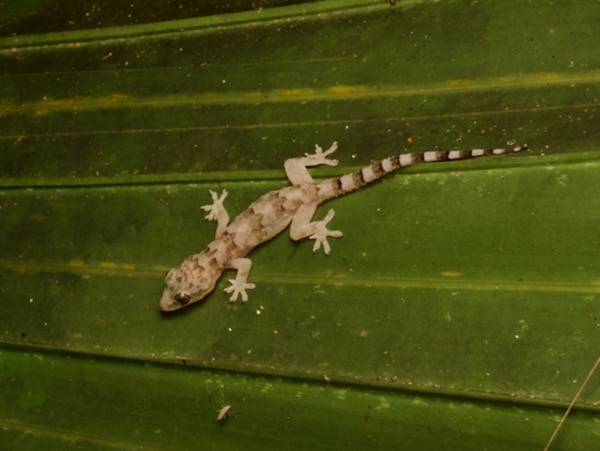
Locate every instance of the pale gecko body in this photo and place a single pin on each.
(271, 213)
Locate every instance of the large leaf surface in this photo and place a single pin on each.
(460, 307)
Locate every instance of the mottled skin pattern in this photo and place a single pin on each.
(273, 212)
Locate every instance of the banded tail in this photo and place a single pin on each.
(338, 186)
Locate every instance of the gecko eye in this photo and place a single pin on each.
(182, 298)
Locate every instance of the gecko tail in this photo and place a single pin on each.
(337, 186)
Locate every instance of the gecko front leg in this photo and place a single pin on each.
(239, 284)
(217, 212)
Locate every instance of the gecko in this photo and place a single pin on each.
(270, 214)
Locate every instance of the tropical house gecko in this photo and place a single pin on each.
(294, 205)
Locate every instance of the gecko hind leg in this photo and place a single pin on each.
(302, 227)
(295, 168)
(216, 211)
(239, 285)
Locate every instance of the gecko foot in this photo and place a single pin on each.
(321, 233)
(216, 208)
(238, 287)
(320, 157)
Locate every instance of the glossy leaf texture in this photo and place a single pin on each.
(461, 306)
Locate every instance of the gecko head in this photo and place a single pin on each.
(189, 283)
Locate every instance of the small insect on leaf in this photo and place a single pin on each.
(223, 413)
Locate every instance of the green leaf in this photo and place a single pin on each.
(460, 308)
